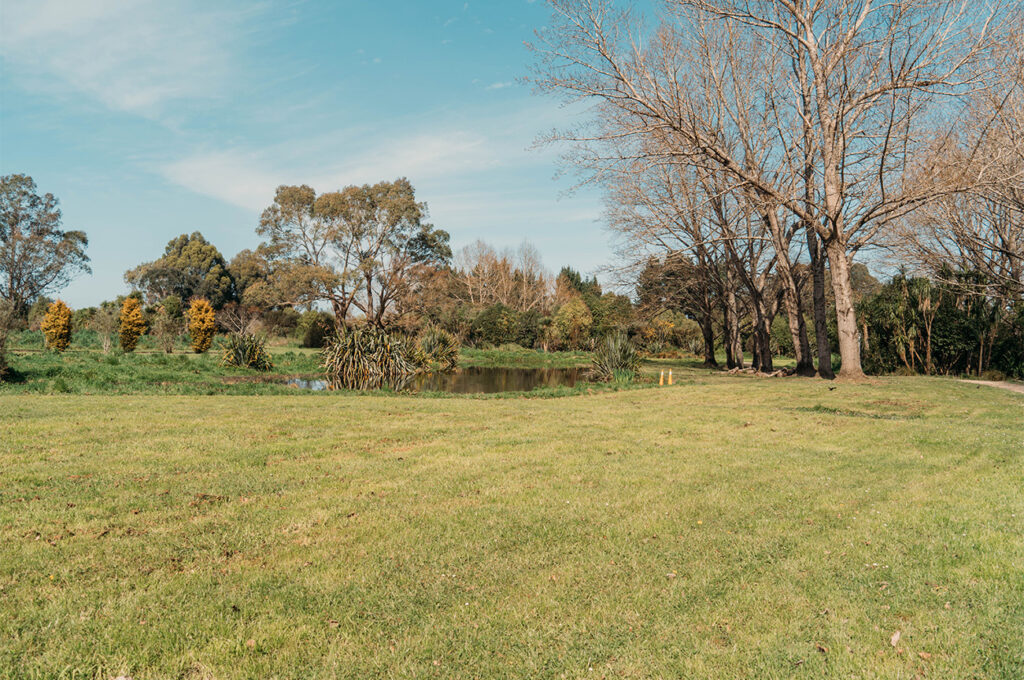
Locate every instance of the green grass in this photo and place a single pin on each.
(92, 372)
(726, 527)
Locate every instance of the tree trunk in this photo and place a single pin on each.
(727, 330)
(846, 315)
(761, 338)
(798, 329)
(707, 312)
(733, 343)
(340, 315)
(791, 295)
(707, 330)
(820, 306)
(928, 367)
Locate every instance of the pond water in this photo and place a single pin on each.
(478, 380)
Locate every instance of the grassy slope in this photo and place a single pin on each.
(729, 527)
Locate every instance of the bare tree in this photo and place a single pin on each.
(514, 278)
(663, 230)
(980, 230)
(850, 85)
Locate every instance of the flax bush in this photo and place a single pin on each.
(616, 359)
(369, 359)
(247, 350)
(440, 347)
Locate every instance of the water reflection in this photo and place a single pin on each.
(477, 380)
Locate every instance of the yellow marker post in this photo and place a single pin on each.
(662, 381)
(670, 376)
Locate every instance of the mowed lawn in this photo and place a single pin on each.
(726, 527)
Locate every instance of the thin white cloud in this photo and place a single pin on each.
(499, 86)
(136, 56)
(247, 179)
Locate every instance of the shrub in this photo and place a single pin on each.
(132, 324)
(616, 358)
(247, 350)
(281, 322)
(166, 328)
(572, 323)
(37, 312)
(368, 359)
(495, 325)
(81, 318)
(105, 323)
(440, 348)
(202, 323)
(56, 326)
(314, 329)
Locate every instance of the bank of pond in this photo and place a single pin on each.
(492, 372)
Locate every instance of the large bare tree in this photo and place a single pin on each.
(981, 229)
(851, 87)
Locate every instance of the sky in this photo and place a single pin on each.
(153, 118)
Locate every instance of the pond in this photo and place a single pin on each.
(477, 380)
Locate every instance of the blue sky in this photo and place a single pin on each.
(152, 118)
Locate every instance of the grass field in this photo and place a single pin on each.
(726, 527)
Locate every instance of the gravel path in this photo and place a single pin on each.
(1013, 387)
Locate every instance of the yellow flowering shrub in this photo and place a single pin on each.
(202, 323)
(132, 324)
(56, 326)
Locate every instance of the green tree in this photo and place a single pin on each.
(191, 266)
(496, 325)
(573, 322)
(36, 255)
(355, 248)
(249, 269)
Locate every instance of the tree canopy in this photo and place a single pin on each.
(354, 248)
(191, 266)
(36, 255)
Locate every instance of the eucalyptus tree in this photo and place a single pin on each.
(353, 248)
(190, 267)
(36, 255)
